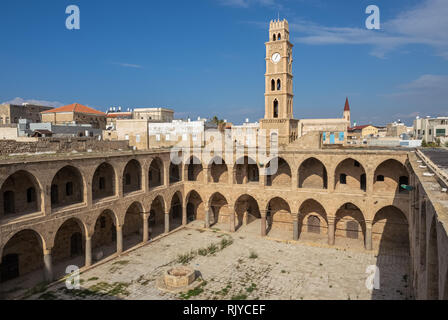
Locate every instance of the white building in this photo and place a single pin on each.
(431, 129)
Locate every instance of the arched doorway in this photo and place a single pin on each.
(278, 173)
(103, 182)
(104, 239)
(20, 195)
(313, 222)
(312, 174)
(195, 207)
(350, 227)
(219, 209)
(247, 212)
(132, 177)
(218, 171)
(176, 211)
(350, 176)
(389, 176)
(155, 173)
(156, 219)
(67, 187)
(133, 226)
(246, 171)
(194, 169)
(279, 219)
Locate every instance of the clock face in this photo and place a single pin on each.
(276, 57)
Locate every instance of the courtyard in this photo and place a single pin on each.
(240, 266)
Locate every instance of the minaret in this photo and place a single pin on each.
(347, 112)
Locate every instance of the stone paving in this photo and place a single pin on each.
(248, 267)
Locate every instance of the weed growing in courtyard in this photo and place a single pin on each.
(253, 255)
(93, 279)
(193, 292)
(212, 248)
(225, 242)
(252, 287)
(240, 296)
(185, 258)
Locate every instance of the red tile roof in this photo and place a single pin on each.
(75, 107)
(347, 106)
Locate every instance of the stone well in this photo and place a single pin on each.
(179, 277)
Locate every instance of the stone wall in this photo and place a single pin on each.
(60, 145)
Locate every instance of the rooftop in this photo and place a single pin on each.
(75, 107)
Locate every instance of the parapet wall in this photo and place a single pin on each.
(60, 145)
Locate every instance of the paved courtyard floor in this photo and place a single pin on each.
(241, 265)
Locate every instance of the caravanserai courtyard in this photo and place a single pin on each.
(240, 265)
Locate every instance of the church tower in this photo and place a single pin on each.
(278, 120)
(278, 77)
(347, 111)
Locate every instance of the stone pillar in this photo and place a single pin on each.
(263, 223)
(48, 266)
(295, 225)
(232, 222)
(330, 179)
(167, 221)
(206, 175)
(368, 235)
(145, 227)
(230, 174)
(331, 230)
(184, 215)
(369, 182)
(263, 177)
(166, 173)
(88, 251)
(294, 180)
(119, 239)
(207, 218)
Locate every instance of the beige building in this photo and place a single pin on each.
(75, 113)
(431, 129)
(153, 114)
(395, 129)
(10, 113)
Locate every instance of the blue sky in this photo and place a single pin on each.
(206, 57)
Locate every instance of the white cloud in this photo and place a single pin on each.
(20, 101)
(425, 24)
(248, 3)
(128, 65)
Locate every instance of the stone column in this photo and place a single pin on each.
(369, 182)
(263, 223)
(230, 174)
(263, 177)
(119, 239)
(48, 266)
(166, 173)
(207, 218)
(295, 225)
(184, 215)
(145, 227)
(206, 175)
(232, 222)
(330, 179)
(368, 235)
(167, 221)
(88, 251)
(331, 230)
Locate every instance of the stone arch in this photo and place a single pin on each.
(67, 187)
(350, 175)
(278, 173)
(132, 177)
(219, 208)
(278, 215)
(350, 224)
(20, 194)
(194, 169)
(388, 176)
(69, 243)
(175, 172)
(22, 254)
(246, 209)
(218, 170)
(246, 171)
(390, 230)
(176, 210)
(433, 262)
(155, 173)
(312, 219)
(133, 225)
(195, 206)
(104, 238)
(312, 174)
(157, 217)
(103, 181)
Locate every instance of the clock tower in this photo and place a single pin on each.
(278, 77)
(278, 83)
